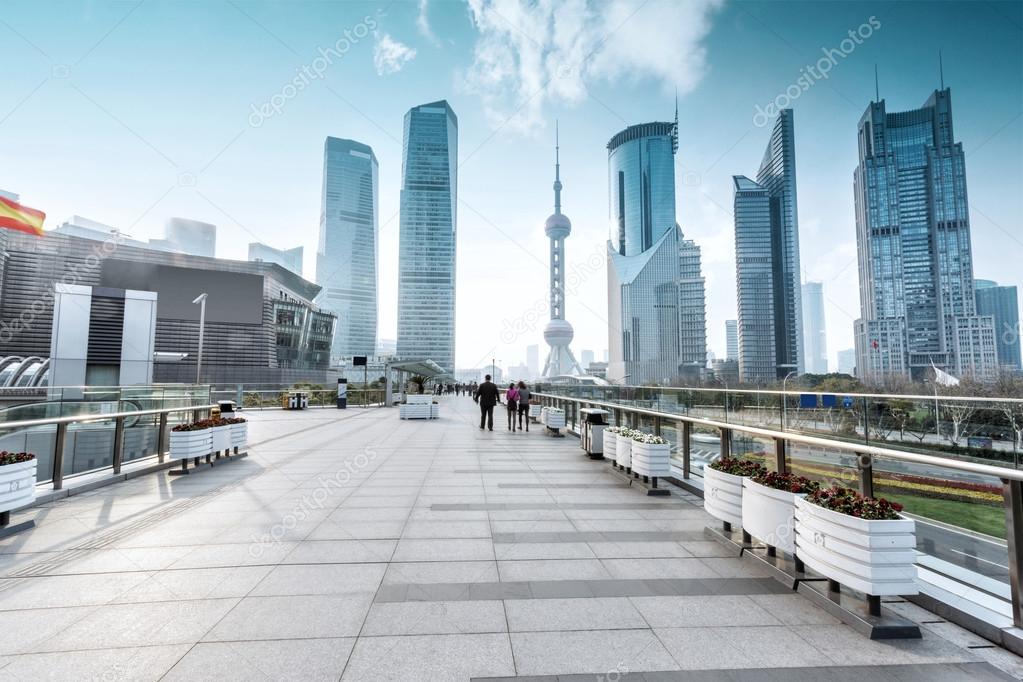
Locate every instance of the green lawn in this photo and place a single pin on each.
(976, 517)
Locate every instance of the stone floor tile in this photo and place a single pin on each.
(435, 618)
(605, 653)
(541, 615)
(304, 659)
(438, 658)
(293, 617)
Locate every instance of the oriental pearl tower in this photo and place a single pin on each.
(558, 333)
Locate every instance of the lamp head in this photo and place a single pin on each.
(200, 298)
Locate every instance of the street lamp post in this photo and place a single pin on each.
(200, 300)
(784, 401)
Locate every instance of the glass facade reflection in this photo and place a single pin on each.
(641, 185)
(1002, 303)
(346, 258)
(427, 242)
(913, 241)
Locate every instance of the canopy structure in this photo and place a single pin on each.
(426, 368)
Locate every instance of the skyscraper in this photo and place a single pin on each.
(917, 303)
(427, 239)
(767, 262)
(586, 357)
(731, 339)
(847, 361)
(346, 257)
(558, 331)
(290, 259)
(692, 310)
(1001, 303)
(533, 360)
(815, 342)
(655, 289)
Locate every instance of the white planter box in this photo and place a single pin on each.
(419, 399)
(535, 410)
(415, 410)
(553, 417)
(649, 459)
(187, 444)
(17, 485)
(873, 557)
(240, 435)
(221, 438)
(722, 496)
(610, 445)
(623, 451)
(770, 515)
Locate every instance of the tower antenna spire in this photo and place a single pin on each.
(877, 90)
(941, 70)
(557, 168)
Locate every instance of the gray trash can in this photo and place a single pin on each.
(593, 422)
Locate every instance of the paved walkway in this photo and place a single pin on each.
(356, 546)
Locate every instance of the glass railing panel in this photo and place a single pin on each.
(754, 448)
(827, 466)
(705, 447)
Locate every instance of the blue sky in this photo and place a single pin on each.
(129, 113)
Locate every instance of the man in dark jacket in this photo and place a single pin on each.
(487, 396)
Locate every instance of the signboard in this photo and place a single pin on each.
(829, 400)
(342, 394)
(359, 360)
(807, 401)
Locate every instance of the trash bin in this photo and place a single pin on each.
(593, 422)
(227, 408)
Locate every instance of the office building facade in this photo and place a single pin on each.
(815, 342)
(192, 237)
(261, 325)
(656, 300)
(732, 340)
(289, 259)
(917, 302)
(347, 253)
(769, 295)
(428, 235)
(1002, 304)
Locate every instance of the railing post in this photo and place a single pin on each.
(780, 451)
(687, 432)
(118, 444)
(657, 426)
(161, 437)
(726, 443)
(1012, 492)
(865, 464)
(58, 456)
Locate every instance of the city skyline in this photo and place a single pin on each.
(215, 170)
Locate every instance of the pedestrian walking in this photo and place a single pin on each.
(511, 399)
(523, 405)
(487, 396)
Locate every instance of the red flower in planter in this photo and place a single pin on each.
(15, 457)
(787, 482)
(852, 503)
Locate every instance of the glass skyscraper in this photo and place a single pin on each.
(1002, 304)
(656, 304)
(346, 258)
(427, 240)
(815, 344)
(767, 262)
(917, 303)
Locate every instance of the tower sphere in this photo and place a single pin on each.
(558, 333)
(558, 226)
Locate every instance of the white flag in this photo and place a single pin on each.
(944, 378)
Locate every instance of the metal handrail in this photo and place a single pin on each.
(873, 450)
(26, 423)
(791, 393)
(1012, 479)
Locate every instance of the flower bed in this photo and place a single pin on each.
(17, 479)
(768, 507)
(192, 440)
(651, 454)
(722, 487)
(611, 443)
(861, 542)
(623, 448)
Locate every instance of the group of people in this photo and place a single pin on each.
(455, 389)
(516, 398)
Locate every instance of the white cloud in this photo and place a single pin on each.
(532, 51)
(423, 23)
(390, 55)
